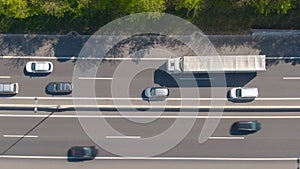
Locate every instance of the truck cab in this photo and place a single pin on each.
(173, 65)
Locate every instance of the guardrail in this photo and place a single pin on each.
(226, 107)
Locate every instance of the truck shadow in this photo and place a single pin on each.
(203, 79)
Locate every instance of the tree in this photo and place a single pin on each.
(21, 9)
(136, 6)
(269, 6)
(15, 8)
(190, 5)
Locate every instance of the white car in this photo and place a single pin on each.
(243, 93)
(39, 67)
(156, 92)
(9, 88)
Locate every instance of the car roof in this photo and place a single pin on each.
(249, 124)
(42, 66)
(161, 91)
(63, 86)
(249, 92)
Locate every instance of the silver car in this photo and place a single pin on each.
(39, 67)
(157, 92)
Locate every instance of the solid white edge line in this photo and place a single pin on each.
(123, 137)
(291, 78)
(103, 106)
(5, 77)
(149, 116)
(19, 136)
(137, 98)
(76, 58)
(98, 58)
(157, 158)
(94, 78)
(227, 138)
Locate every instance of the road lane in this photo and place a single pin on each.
(35, 86)
(278, 137)
(144, 164)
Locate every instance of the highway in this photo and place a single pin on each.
(285, 77)
(47, 134)
(278, 138)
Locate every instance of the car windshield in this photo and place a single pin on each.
(238, 92)
(33, 66)
(253, 125)
(59, 87)
(54, 87)
(87, 152)
(153, 91)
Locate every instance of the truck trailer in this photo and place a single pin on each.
(216, 64)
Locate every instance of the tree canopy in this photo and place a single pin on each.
(21, 9)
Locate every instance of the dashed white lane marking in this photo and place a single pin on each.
(138, 98)
(291, 78)
(282, 58)
(5, 77)
(95, 78)
(19, 136)
(227, 138)
(157, 158)
(123, 137)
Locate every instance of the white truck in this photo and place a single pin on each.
(216, 64)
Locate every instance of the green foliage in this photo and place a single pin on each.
(190, 5)
(270, 6)
(136, 6)
(21, 9)
(15, 8)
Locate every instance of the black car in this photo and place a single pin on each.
(59, 88)
(83, 152)
(251, 126)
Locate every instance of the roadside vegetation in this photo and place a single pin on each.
(87, 16)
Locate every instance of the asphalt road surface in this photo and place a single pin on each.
(276, 86)
(43, 137)
(52, 134)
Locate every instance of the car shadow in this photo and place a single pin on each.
(234, 131)
(34, 74)
(6, 95)
(143, 96)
